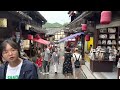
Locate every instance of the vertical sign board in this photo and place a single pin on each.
(3, 22)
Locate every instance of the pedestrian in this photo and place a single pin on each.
(55, 60)
(15, 67)
(76, 59)
(67, 64)
(90, 48)
(46, 60)
(39, 62)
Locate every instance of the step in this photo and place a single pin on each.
(87, 72)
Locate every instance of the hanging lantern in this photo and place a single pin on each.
(30, 37)
(37, 36)
(84, 27)
(105, 17)
(87, 37)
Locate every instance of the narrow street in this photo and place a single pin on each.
(52, 75)
(72, 38)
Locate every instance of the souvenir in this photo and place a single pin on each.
(113, 42)
(99, 42)
(119, 48)
(109, 42)
(112, 36)
(103, 41)
(119, 42)
(103, 30)
(102, 36)
(111, 30)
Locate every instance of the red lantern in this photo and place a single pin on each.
(84, 27)
(105, 17)
(87, 37)
(37, 36)
(30, 37)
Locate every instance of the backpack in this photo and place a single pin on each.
(77, 62)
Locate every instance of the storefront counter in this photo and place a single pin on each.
(101, 66)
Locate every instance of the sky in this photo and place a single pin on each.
(56, 16)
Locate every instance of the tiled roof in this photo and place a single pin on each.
(52, 31)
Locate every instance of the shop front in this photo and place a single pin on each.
(105, 54)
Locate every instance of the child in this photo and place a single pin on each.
(39, 62)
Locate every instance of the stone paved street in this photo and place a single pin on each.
(52, 75)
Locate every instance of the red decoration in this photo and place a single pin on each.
(84, 27)
(30, 37)
(87, 37)
(105, 17)
(37, 36)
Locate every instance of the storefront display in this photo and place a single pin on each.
(105, 54)
(118, 66)
(102, 57)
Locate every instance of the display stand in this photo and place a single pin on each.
(118, 73)
(101, 66)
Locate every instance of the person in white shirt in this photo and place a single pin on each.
(77, 56)
(55, 60)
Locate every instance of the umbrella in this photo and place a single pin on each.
(70, 37)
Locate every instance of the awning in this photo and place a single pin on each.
(38, 39)
(42, 41)
(70, 37)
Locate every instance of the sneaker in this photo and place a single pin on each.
(43, 73)
(47, 73)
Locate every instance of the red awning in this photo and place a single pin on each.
(42, 41)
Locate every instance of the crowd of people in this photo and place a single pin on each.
(15, 66)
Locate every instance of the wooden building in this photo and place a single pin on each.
(96, 29)
(19, 24)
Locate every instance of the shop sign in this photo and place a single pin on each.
(3, 22)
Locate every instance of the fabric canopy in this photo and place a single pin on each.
(42, 41)
(70, 37)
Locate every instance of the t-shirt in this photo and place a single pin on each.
(77, 56)
(55, 57)
(13, 72)
(47, 54)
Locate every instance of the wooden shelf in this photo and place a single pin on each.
(106, 44)
(106, 39)
(108, 33)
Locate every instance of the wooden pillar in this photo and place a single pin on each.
(118, 72)
(83, 43)
(95, 38)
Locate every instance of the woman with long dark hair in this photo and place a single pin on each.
(67, 64)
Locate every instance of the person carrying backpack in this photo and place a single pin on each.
(76, 58)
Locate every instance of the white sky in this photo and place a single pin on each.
(56, 16)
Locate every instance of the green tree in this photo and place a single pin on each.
(65, 24)
(53, 25)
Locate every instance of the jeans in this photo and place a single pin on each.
(46, 66)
